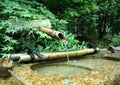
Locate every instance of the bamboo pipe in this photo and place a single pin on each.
(51, 55)
(53, 33)
(44, 26)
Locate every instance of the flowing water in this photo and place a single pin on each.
(65, 46)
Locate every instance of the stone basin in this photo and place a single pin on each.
(73, 67)
(88, 70)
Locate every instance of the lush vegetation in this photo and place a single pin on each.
(79, 20)
(14, 40)
(89, 18)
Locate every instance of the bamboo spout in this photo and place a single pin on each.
(53, 33)
(44, 26)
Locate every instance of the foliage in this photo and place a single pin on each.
(21, 11)
(70, 44)
(115, 41)
(88, 17)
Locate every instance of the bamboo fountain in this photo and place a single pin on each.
(45, 26)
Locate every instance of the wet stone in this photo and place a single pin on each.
(4, 73)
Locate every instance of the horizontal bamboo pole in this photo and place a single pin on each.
(51, 55)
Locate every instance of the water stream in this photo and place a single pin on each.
(65, 49)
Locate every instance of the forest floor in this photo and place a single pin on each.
(102, 68)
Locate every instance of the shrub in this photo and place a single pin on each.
(115, 41)
(22, 11)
